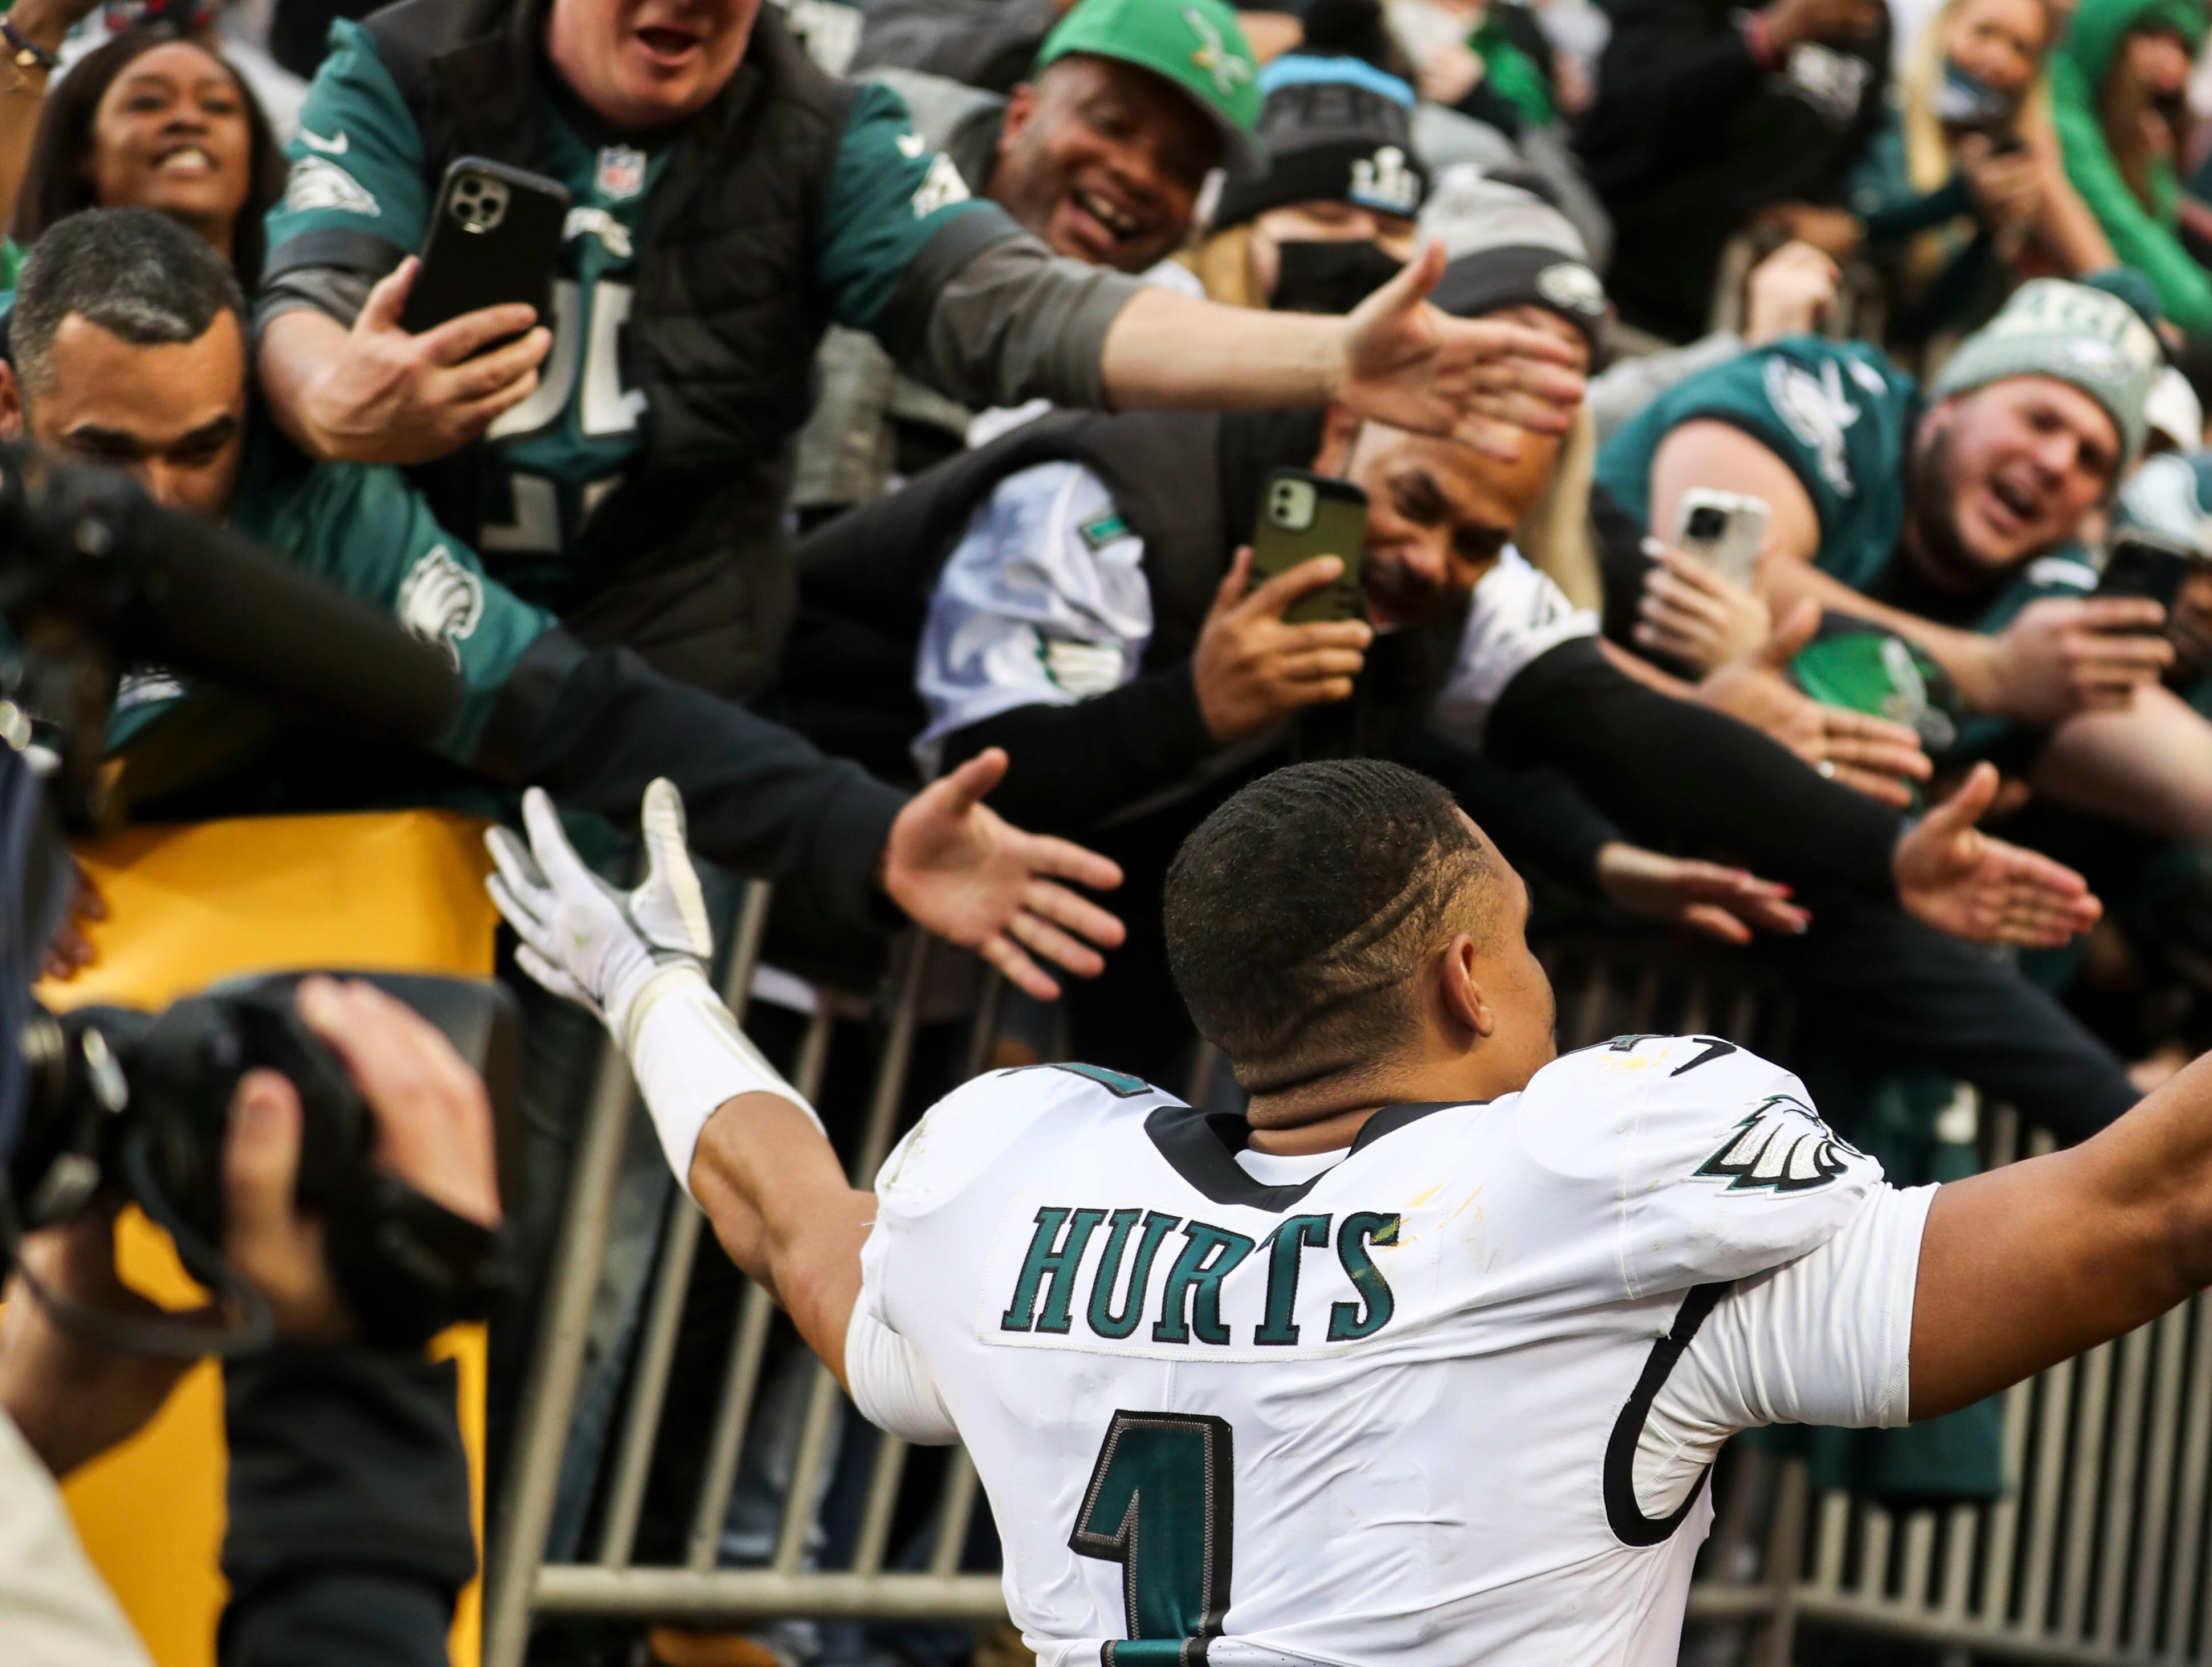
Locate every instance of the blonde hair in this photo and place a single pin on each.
(1223, 264)
(1930, 156)
(1554, 534)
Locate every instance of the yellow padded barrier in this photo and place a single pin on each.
(399, 891)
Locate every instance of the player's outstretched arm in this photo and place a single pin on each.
(785, 1212)
(2032, 1263)
(741, 1138)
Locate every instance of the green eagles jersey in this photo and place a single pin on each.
(1838, 413)
(358, 162)
(1842, 416)
(362, 528)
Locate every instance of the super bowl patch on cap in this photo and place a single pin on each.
(1385, 181)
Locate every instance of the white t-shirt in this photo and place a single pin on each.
(1044, 601)
(1397, 1409)
(54, 1610)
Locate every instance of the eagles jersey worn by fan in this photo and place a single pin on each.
(357, 166)
(1446, 1397)
(362, 529)
(1843, 418)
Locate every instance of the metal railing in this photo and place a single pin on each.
(2098, 1552)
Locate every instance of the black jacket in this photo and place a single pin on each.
(1689, 139)
(348, 1494)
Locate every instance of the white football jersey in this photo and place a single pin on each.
(1403, 1410)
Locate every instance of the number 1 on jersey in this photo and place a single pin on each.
(1160, 1503)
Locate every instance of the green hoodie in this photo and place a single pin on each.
(2143, 238)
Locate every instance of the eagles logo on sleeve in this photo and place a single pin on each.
(441, 601)
(315, 184)
(1783, 1146)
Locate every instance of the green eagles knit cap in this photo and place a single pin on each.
(2070, 333)
(1196, 44)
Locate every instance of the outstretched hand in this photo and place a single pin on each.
(958, 868)
(1856, 750)
(1955, 878)
(1721, 902)
(1478, 381)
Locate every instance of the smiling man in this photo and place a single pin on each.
(728, 203)
(1101, 153)
(1952, 521)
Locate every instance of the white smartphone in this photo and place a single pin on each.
(1724, 530)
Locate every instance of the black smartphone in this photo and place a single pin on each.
(495, 237)
(1302, 515)
(2139, 563)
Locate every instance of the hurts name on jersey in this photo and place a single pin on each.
(1062, 1290)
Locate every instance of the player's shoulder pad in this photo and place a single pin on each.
(1712, 1163)
(967, 1131)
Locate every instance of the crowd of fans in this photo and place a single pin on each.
(896, 436)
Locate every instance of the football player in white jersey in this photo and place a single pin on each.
(1423, 1359)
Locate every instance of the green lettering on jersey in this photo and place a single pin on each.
(1056, 1255)
(1161, 1506)
(1119, 1084)
(1285, 1246)
(1347, 1323)
(1102, 530)
(1191, 1299)
(1104, 1320)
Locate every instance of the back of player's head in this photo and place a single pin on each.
(137, 274)
(1298, 913)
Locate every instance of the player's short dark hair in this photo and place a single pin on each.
(1298, 912)
(137, 274)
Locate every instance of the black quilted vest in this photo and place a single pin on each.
(688, 562)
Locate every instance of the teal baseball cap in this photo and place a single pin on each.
(1196, 44)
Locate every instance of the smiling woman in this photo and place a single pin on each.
(150, 120)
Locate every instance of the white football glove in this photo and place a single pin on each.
(583, 939)
(639, 960)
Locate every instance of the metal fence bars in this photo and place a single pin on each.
(2097, 1554)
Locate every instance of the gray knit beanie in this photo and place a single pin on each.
(2071, 333)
